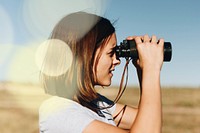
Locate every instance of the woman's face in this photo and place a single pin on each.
(106, 63)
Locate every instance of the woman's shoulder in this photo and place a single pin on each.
(59, 113)
(56, 101)
(57, 104)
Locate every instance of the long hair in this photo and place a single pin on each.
(84, 33)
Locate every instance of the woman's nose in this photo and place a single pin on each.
(116, 61)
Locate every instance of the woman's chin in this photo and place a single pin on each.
(107, 83)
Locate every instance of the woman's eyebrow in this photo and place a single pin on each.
(114, 45)
(112, 48)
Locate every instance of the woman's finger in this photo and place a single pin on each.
(138, 40)
(161, 41)
(153, 39)
(146, 38)
(130, 38)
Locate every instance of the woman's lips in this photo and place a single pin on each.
(111, 74)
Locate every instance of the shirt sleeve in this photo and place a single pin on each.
(108, 102)
(112, 109)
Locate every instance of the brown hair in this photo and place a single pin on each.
(84, 33)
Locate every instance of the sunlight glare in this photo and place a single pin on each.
(53, 57)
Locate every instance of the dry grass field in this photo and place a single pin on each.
(19, 107)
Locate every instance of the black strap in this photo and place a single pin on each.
(123, 111)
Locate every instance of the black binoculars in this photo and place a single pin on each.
(127, 49)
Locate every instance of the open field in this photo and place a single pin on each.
(19, 107)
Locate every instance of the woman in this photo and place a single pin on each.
(77, 106)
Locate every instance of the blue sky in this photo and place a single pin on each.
(25, 24)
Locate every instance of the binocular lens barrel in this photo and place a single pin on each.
(127, 49)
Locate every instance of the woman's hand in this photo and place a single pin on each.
(150, 52)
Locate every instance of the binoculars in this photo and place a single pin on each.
(127, 49)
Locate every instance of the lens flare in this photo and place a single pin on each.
(6, 41)
(6, 32)
(21, 66)
(41, 16)
(53, 57)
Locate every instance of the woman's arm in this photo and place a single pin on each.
(149, 117)
(127, 118)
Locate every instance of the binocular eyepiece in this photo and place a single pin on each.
(127, 49)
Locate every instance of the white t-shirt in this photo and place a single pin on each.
(61, 115)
